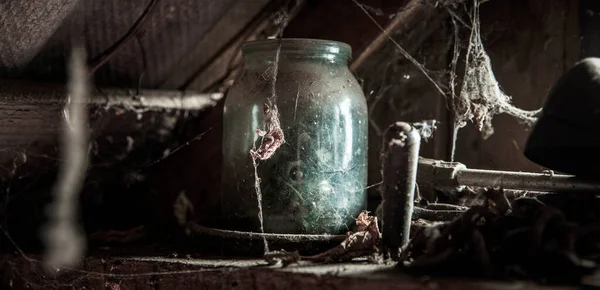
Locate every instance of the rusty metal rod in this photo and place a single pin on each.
(455, 176)
(524, 180)
(400, 154)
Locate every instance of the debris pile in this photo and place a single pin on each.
(551, 238)
(364, 242)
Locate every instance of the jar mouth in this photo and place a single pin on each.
(301, 47)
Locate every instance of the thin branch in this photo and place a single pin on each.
(199, 229)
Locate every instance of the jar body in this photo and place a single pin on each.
(315, 182)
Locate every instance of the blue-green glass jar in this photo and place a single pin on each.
(315, 182)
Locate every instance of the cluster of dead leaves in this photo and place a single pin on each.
(364, 242)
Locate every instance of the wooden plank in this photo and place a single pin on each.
(220, 72)
(31, 117)
(165, 273)
(212, 44)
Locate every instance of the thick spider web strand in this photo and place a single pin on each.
(480, 97)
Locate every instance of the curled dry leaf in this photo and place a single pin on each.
(364, 220)
(272, 138)
(362, 243)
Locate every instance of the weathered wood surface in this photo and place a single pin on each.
(147, 151)
(131, 132)
(170, 49)
(212, 45)
(31, 117)
(166, 273)
(220, 72)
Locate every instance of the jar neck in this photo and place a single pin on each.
(265, 52)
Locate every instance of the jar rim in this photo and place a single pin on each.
(296, 45)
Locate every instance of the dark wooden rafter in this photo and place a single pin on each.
(211, 45)
(222, 69)
(31, 117)
(404, 27)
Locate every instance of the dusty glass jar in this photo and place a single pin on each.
(315, 182)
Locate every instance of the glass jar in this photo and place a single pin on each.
(315, 182)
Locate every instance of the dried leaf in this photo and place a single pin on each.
(363, 220)
(361, 243)
(272, 138)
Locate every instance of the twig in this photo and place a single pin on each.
(196, 228)
(133, 31)
(362, 243)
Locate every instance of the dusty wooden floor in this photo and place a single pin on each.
(18, 272)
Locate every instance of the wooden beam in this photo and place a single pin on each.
(222, 69)
(205, 273)
(212, 44)
(31, 117)
(403, 23)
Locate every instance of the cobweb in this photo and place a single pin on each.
(477, 99)
(480, 97)
(272, 136)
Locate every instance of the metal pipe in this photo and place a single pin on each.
(524, 180)
(400, 155)
(454, 176)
